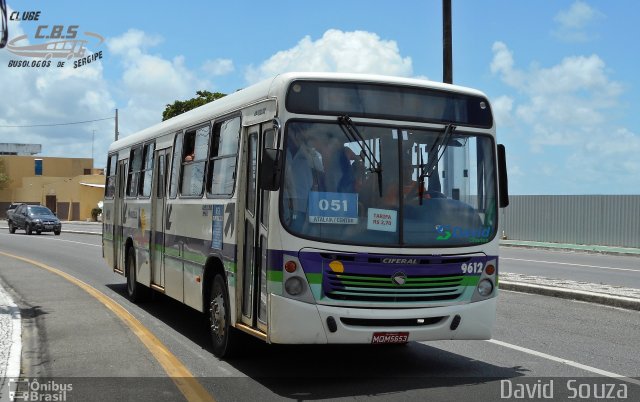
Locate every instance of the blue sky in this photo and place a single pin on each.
(561, 75)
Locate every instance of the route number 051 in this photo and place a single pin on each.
(334, 205)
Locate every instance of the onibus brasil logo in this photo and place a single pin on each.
(62, 42)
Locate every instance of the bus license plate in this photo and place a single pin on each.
(390, 337)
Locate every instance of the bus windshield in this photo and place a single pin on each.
(373, 188)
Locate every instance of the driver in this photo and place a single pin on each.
(410, 187)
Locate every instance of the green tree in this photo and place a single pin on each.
(4, 177)
(179, 107)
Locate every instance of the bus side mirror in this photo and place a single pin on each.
(270, 168)
(503, 182)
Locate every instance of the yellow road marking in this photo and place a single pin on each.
(179, 373)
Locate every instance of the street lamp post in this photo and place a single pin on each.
(447, 51)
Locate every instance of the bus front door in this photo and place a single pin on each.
(254, 273)
(158, 207)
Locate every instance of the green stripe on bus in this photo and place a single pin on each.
(274, 276)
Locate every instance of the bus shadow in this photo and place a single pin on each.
(338, 371)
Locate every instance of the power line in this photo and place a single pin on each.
(57, 124)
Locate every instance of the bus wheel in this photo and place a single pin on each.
(135, 291)
(223, 336)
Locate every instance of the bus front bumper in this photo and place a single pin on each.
(295, 322)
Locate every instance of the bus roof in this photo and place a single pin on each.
(267, 89)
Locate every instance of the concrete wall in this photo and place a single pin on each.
(609, 220)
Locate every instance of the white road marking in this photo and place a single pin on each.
(567, 362)
(567, 263)
(53, 239)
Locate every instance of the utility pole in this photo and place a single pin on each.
(447, 52)
(447, 78)
(93, 138)
(116, 124)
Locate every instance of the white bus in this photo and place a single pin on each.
(316, 208)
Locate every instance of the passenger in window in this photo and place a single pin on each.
(336, 160)
(303, 159)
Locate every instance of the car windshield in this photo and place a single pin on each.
(36, 211)
(372, 188)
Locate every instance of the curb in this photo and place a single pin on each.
(564, 293)
(635, 252)
(10, 359)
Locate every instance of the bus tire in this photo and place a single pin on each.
(135, 291)
(223, 336)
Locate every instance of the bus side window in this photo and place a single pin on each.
(134, 171)
(193, 164)
(147, 171)
(221, 175)
(110, 188)
(175, 166)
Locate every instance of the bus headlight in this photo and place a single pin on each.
(294, 286)
(485, 287)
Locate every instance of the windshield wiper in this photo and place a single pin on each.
(351, 132)
(435, 154)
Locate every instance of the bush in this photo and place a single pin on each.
(94, 213)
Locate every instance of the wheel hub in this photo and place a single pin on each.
(218, 314)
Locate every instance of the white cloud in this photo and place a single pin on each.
(132, 43)
(575, 93)
(502, 63)
(149, 81)
(565, 109)
(572, 23)
(502, 107)
(577, 16)
(218, 66)
(337, 51)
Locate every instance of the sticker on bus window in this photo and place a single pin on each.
(384, 220)
(336, 208)
(217, 221)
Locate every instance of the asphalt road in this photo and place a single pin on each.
(607, 269)
(70, 335)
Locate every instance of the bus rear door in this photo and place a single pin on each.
(158, 208)
(119, 217)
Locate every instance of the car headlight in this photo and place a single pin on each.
(36, 221)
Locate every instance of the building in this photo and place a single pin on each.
(68, 186)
